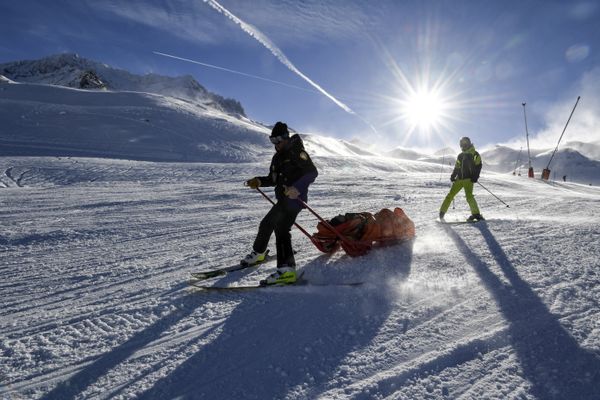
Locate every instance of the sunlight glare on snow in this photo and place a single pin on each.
(432, 242)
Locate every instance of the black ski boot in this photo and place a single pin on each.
(475, 218)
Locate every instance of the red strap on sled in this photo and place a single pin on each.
(353, 248)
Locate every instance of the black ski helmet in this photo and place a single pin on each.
(280, 129)
(465, 143)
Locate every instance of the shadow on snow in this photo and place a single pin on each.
(288, 341)
(90, 374)
(552, 360)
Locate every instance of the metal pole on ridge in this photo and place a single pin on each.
(547, 170)
(530, 171)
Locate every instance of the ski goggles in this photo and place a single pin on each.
(277, 139)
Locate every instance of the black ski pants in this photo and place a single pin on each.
(279, 219)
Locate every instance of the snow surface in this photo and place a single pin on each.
(95, 301)
(95, 255)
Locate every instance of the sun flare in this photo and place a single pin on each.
(423, 109)
(425, 105)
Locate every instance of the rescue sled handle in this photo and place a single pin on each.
(328, 225)
(351, 248)
(354, 249)
(297, 226)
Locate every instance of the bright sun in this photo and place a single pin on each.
(423, 109)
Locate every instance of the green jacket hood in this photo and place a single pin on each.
(470, 150)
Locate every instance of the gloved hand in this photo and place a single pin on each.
(474, 180)
(291, 192)
(452, 178)
(253, 183)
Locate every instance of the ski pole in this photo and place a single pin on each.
(493, 195)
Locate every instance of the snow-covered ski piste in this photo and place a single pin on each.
(95, 258)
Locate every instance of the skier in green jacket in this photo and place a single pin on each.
(465, 174)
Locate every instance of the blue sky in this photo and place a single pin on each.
(412, 73)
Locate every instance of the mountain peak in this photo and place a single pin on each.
(70, 69)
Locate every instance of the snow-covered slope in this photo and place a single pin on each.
(566, 162)
(95, 256)
(406, 154)
(321, 146)
(54, 120)
(41, 119)
(67, 70)
(5, 80)
(590, 149)
(94, 301)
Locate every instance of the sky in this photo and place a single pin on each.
(417, 74)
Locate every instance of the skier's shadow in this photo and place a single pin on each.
(280, 340)
(75, 385)
(551, 359)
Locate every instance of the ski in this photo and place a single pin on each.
(243, 288)
(203, 275)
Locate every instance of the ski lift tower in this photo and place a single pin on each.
(530, 172)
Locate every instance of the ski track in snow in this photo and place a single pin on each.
(95, 257)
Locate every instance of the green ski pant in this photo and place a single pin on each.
(456, 187)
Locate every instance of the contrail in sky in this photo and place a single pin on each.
(233, 71)
(265, 41)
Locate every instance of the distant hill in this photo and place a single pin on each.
(576, 161)
(567, 162)
(405, 154)
(71, 70)
(47, 120)
(68, 106)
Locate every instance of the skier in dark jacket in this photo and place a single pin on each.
(465, 174)
(291, 172)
